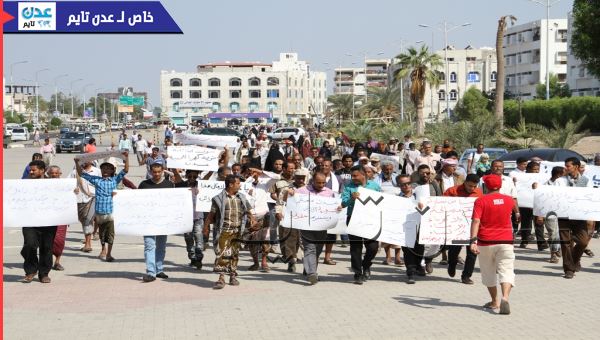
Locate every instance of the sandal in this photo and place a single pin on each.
(399, 263)
(110, 259)
(490, 306)
(504, 307)
(86, 250)
(385, 263)
(329, 262)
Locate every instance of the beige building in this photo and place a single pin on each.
(525, 55)
(16, 97)
(285, 90)
(467, 68)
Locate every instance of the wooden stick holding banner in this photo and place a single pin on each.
(89, 157)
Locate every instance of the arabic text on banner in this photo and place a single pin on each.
(193, 157)
(567, 202)
(447, 221)
(206, 140)
(209, 189)
(39, 203)
(311, 212)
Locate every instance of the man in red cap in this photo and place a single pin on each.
(492, 239)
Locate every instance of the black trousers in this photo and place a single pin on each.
(34, 238)
(413, 258)
(360, 264)
(453, 252)
(527, 219)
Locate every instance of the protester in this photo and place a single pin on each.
(58, 246)
(86, 200)
(48, 152)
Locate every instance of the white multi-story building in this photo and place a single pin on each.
(526, 53)
(286, 90)
(467, 68)
(377, 72)
(580, 81)
(349, 80)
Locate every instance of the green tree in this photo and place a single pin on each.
(472, 104)
(383, 102)
(556, 89)
(55, 121)
(586, 30)
(523, 135)
(563, 136)
(340, 106)
(419, 66)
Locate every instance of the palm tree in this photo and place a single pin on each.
(564, 136)
(499, 104)
(419, 66)
(383, 103)
(340, 106)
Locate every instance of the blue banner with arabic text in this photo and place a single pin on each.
(88, 17)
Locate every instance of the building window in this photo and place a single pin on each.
(214, 94)
(214, 82)
(234, 106)
(175, 94)
(442, 95)
(473, 77)
(272, 106)
(235, 82)
(195, 94)
(254, 93)
(253, 106)
(493, 76)
(581, 71)
(254, 82)
(272, 81)
(453, 77)
(176, 82)
(453, 94)
(216, 106)
(441, 75)
(272, 93)
(195, 82)
(235, 94)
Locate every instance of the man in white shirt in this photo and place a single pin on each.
(428, 158)
(520, 169)
(86, 196)
(140, 147)
(473, 159)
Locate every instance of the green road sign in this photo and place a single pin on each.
(129, 100)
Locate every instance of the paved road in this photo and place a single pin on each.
(93, 299)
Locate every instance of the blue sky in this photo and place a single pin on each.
(321, 31)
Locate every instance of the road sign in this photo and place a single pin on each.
(130, 100)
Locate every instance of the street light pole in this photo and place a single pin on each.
(72, 98)
(37, 90)
(56, 90)
(12, 85)
(83, 94)
(547, 4)
(96, 103)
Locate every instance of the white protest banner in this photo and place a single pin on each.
(206, 140)
(193, 157)
(153, 212)
(39, 203)
(340, 227)
(209, 189)
(393, 159)
(448, 219)
(551, 200)
(546, 167)
(584, 203)
(89, 157)
(593, 173)
(385, 218)
(311, 212)
(524, 182)
(422, 193)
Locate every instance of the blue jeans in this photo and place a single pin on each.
(154, 253)
(194, 241)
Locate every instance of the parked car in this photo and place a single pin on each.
(285, 133)
(183, 127)
(141, 126)
(9, 127)
(220, 131)
(545, 154)
(19, 134)
(64, 130)
(73, 141)
(494, 153)
(116, 126)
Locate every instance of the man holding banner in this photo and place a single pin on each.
(360, 266)
(313, 240)
(37, 237)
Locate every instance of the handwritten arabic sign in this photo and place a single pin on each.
(340, 227)
(524, 182)
(311, 212)
(153, 212)
(89, 17)
(89, 157)
(193, 157)
(206, 140)
(567, 202)
(383, 217)
(448, 219)
(209, 189)
(39, 203)
(593, 173)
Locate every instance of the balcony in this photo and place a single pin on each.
(344, 78)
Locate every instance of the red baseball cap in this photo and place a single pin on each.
(492, 182)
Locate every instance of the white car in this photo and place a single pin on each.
(19, 134)
(286, 132)
(9, 127)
